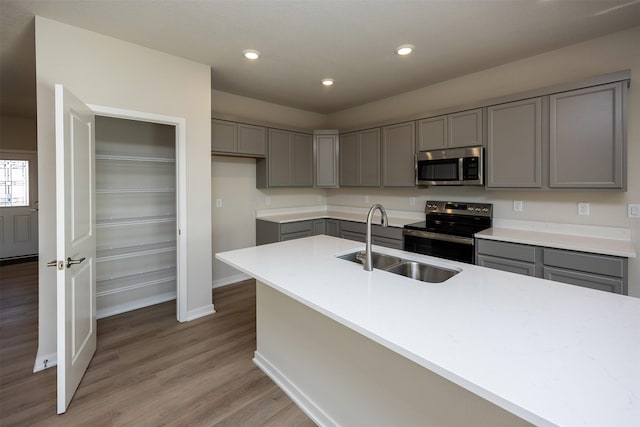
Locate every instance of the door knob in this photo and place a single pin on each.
(56, 263)
(71, 262)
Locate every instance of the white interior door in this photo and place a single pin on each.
(76, 241)
(18, 204)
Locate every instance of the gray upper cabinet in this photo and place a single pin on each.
(360, 159)
(326, 156)
(514, 144)
(463, 129)
(252, 139)
(432, 133)
(586, 138)
(398, 155)
(238, 138)
(289, 161)
(224, 136)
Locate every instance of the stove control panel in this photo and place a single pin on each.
(459, 208)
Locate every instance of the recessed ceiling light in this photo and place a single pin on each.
(328, 82)
(405, 49)
(251, 54)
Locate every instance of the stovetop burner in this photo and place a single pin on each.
(455, 218)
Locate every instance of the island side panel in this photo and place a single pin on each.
(339, 377)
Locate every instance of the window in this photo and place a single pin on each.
(14, 183)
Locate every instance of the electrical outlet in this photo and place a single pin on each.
(218, 203)
(517, 205)
(634, 211)
(365, 199)
(412, 201)
(584, 208)
(267, 201)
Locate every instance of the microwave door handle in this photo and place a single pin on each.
(461, 170)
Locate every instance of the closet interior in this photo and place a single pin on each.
(135, 214)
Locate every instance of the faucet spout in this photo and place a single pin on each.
(367, 257)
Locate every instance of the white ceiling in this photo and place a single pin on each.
(303, 41)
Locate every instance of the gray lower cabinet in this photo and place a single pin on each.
(398, 155)
(238, 138)
(332, 227)
(271, 232)
(390, 237)
(514, 144)
(595, 271)
(360, 159)
(289, 161)
(586, 139)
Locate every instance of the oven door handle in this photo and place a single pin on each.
(438, 236)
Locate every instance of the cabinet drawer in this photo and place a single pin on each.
(386, 242)
(586, 280)
(512, 266)
(296, 235)
(354, 227)
(294, 227)
(358, 237)
(387, 232)
(588, 263)
(507, 250)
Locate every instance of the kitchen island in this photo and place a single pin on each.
(483, 348)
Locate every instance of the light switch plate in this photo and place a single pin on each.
(267, 201)
(517, 205)
(365, 199)
(218, 203)
(584, 208)
(634, 211)
(412, 201)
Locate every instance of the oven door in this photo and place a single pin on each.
(446, 246)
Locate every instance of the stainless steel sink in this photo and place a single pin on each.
(424, 272)
(380, 261)
(411, 269)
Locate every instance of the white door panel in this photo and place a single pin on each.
(76, 242)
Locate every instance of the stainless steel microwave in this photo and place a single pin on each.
(453, 166)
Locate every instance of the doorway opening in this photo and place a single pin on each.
(136, 212)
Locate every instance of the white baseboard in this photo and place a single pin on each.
(302, 400)
(200, 312)
(45, 361)
(229, 280)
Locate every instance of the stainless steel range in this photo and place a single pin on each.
(448, 230)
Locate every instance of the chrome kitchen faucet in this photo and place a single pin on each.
(366, 257)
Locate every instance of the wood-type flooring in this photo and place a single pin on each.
(148, 370)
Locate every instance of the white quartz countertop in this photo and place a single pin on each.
(600, 245)
(551, 353)
(393, 219)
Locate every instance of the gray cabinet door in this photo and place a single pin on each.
(319, 227)
(514, 144)
(398, 155)
(360, 159)
(587, 280)
(279, 158)
(223, 136)
(432, 133)
(302, 160)
(465, 128)
(332, 227)
(252, 139)
(369, 158)
(504, 264)
(349, 143)
(586, 138)
(326, 154)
